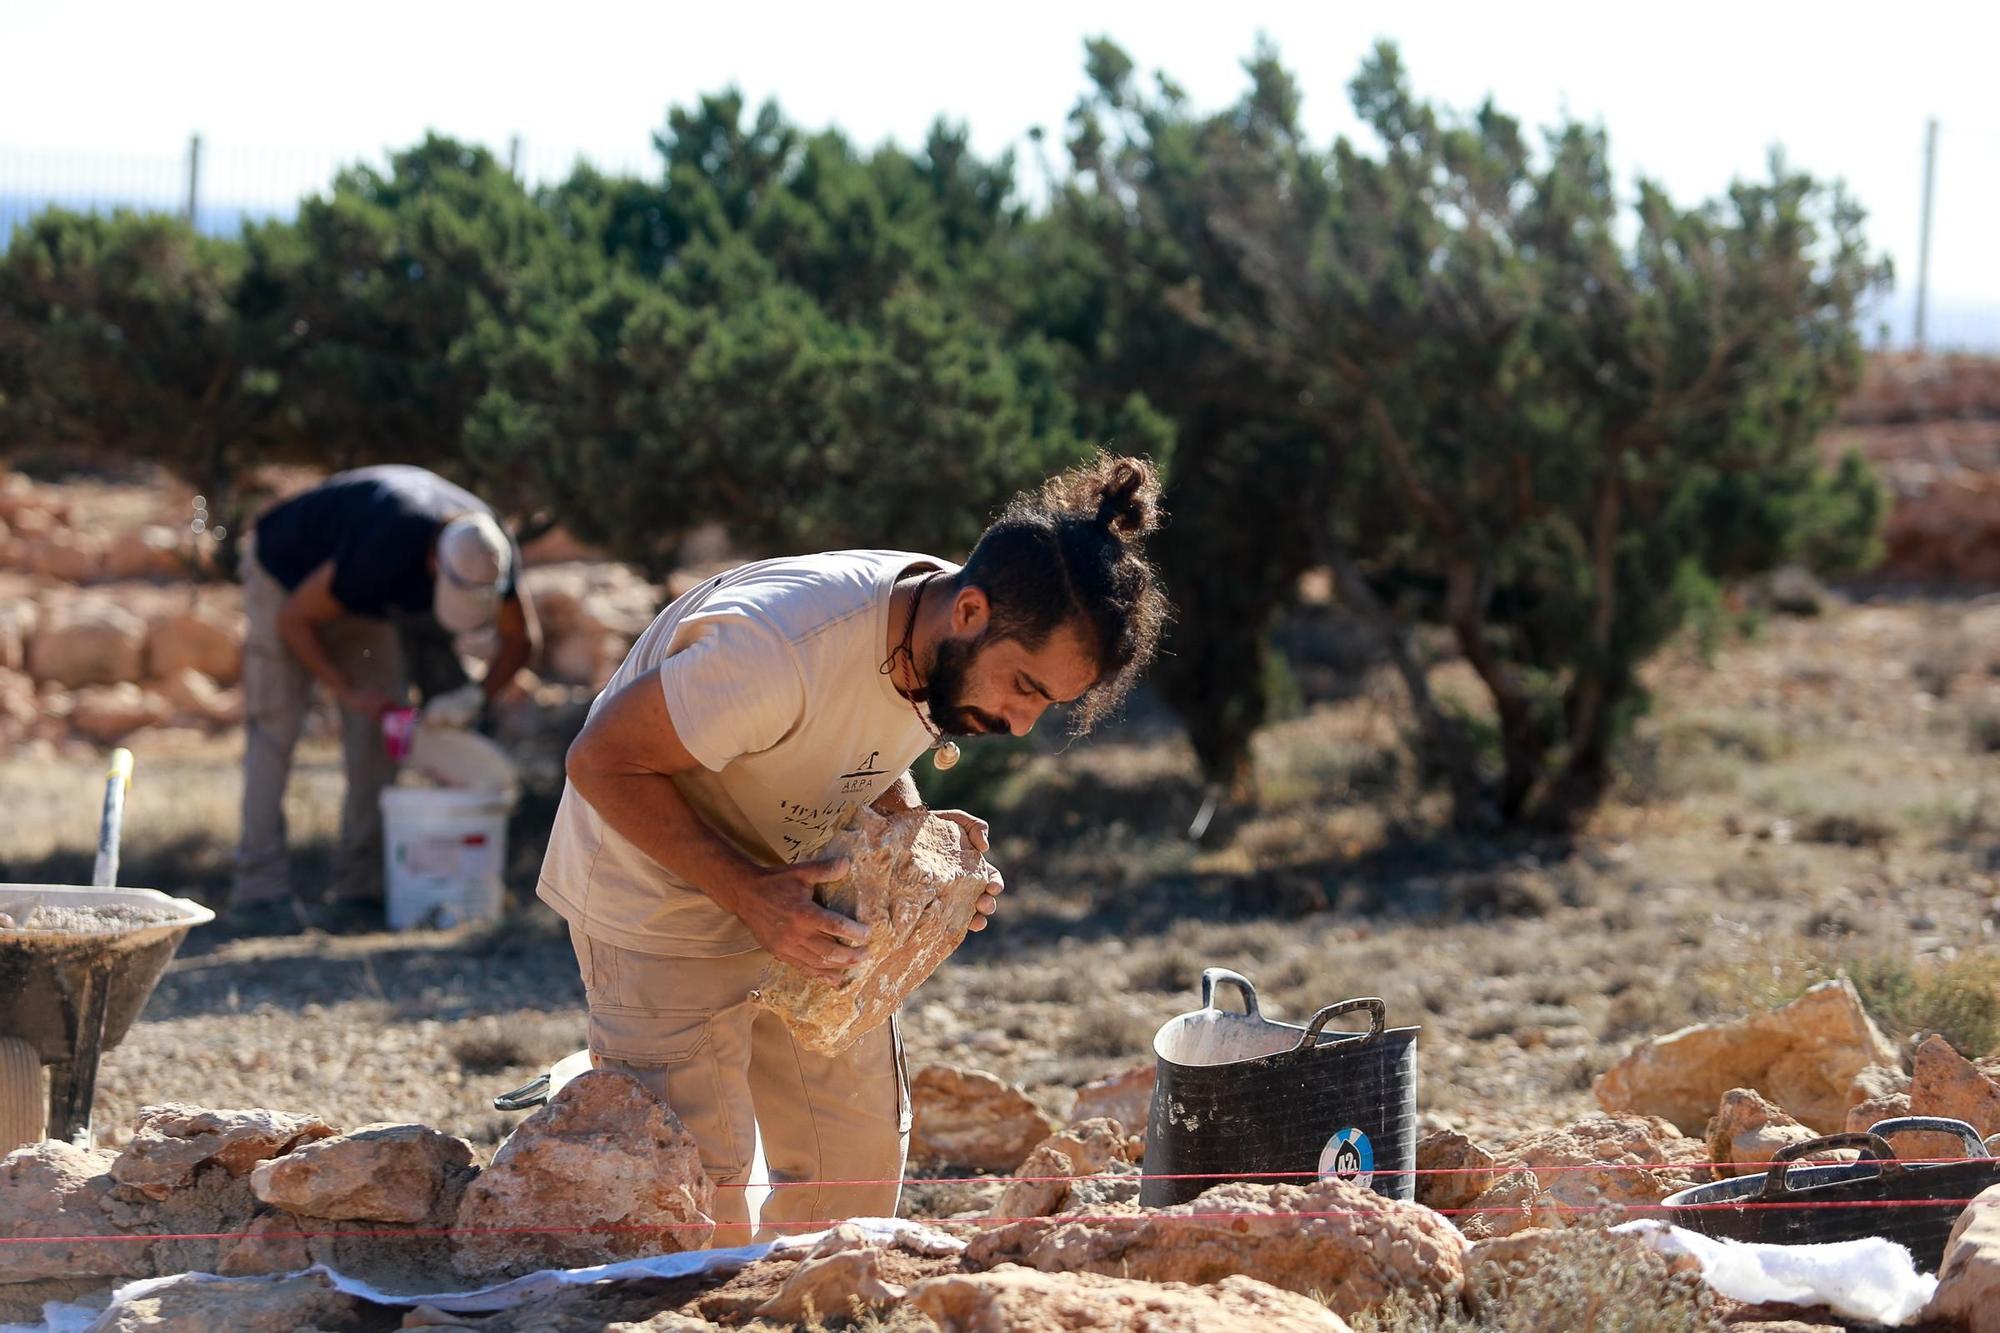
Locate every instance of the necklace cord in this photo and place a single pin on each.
(903, 651)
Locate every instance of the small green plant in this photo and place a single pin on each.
(1984, 731)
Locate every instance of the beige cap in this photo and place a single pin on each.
(473, 558)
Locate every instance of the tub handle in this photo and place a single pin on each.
(1211, 975)
(1872, 1145)
(535, 1092)
(1378, 1019)
(1905, 1124)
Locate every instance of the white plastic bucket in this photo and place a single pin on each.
(443, 855)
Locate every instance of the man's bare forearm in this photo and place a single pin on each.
(900, 795)
(648, 810)
(302, 637)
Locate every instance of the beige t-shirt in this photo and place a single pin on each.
(772, 675)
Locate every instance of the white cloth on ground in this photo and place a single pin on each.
(1873, 1279)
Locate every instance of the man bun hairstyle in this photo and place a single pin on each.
(1072, 554)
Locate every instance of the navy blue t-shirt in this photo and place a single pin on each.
(377, 525)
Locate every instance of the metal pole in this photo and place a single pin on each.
(514, 157)
(1924, 237)
(194, 177)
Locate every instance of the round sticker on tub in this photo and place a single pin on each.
(1348, 1156)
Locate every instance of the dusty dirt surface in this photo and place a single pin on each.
(1825, 790)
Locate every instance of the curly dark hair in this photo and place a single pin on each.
(1071, 554)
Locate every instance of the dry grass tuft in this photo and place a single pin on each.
(1581, 1281)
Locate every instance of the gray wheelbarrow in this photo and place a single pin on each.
(76, 967)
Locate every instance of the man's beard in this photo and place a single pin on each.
(944, 691)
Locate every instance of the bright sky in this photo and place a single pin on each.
(1692, 93)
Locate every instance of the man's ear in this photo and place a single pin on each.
(970, 611)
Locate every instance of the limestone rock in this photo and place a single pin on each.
(1804, 1057)
(171, 1142)
(968, 1117)
(19, 705)
(1607, 1160)
(18, 618)
(273, 1242)
(54, 1189)
(110, 713)
(67, 557)
(1879, 1092)
(196, 697)
(241, 1305)
(155, 551)
(1021, 1300)
(1876, 1082)
(87, 641)
(1747, 1132)
(1866, 1115)
(378, 1173)
(914, 880)
(604, 1152)
(841, 1277)
(1513, 1203)
(1097, 1147)
(1126, 1097)
(201, 638)
(1945, 1083)
(590, 614)
(1585, 1173)
(1340, 1241)
(1452, 1170)
(1968, 1293)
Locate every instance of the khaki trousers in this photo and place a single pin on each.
(687, 1029)
(277, 689)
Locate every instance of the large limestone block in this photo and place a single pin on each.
(87, 642)
(1804, 1057)
(56, 1189)
(1945, 1083)
(603, 1153)
(1968, 1293)
(968, 1117)
(914, 880)
(378, 1173)
(1336, 1240)
(155, 552)
(202, 638)
(1021, 1300)
(171, 1142)
(110, 713)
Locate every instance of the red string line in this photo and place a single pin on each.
(1497, 1169)
(1062, 1219)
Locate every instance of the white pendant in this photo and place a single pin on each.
(945, 756)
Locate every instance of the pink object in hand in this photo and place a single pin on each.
(398, 726)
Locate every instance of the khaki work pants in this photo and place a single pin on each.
(687, 1029)
(277, 689)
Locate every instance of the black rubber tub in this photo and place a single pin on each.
(1240, 1096)
(1912, 1203)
